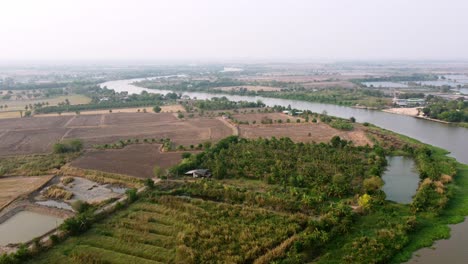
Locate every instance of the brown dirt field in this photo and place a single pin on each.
(182, 132)
(85, 120)
(133, 118)
(259, 116)
(14, 187)
(249, 88)
(34, 122)
(22, 142)
(37, 134)
(299, 132)
(133, 160)
(172, 108)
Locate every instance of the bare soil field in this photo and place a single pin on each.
(300, 132)
(34, 122)
(38, 134)
(14, 187)
(133, 160)
(132, 118)
(172, 108)
(258, 117)
(181, 132)
(22, 142)
(255, 88)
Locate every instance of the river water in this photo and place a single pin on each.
(451, 138)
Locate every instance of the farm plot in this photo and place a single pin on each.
(138, 118)
(133, 160)
(14, 187)
(22, 142)
(170, 229)
(187, 132)
(259, 117)
(304, 132)
(85, 120)
(38, 134)
(34, 122)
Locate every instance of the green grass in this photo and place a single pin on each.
(435, 228)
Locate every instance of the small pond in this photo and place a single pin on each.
(401, 179)
(26, 225)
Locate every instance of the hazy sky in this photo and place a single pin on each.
(236, 29)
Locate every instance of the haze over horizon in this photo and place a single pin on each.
(53, 30)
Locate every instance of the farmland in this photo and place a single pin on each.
(169, 229)
(134, 160)
(37, 134)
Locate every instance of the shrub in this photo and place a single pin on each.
(132, 194)
(80, 206)
(71, 145)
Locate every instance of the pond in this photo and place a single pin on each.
(401, 179)
(26, 225)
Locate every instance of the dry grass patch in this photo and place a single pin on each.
(57, 193)
(13, 187)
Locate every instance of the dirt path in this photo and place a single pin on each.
(66, 134)
(235, 129)
(69, 121)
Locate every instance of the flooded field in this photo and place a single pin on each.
(401, 179)
(26, 225)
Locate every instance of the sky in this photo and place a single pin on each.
(83, 30)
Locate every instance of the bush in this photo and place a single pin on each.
(66, 146)
(157, 109)
(132, 195)
(149, 183)
(80, 206)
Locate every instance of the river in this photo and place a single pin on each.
(451, 138)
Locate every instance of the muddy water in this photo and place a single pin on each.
(401, 179)
(26, 225)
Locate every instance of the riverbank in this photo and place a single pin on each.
(403, 111)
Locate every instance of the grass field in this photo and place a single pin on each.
(170, 229)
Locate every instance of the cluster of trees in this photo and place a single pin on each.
(326, 168)
(222, 103)
(411, 95)
(451, 111)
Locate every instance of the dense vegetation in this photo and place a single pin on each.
(337, 95)
(450, 111)
(222, 103)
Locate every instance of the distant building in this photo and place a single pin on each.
(199, 173)
(409, 102)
